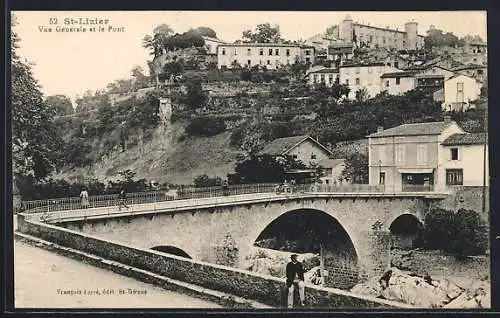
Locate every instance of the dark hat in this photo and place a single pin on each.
(293, 256)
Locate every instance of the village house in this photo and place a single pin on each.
(211, 44)
(363, 75)
(409, 157)
(270, 55)
(327, 76)
(331, 170)
(311, 153)
(459, 91)
(398, 83)
(463, 159)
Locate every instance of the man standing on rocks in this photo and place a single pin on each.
(295, 276)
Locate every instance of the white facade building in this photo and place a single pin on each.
(327, 76)
(398, 83)
(212, 43)
(270, 55)
(358, 76)
(459, 91)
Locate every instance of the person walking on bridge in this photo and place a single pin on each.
(295, 276)
(84, 195)
(122, 198)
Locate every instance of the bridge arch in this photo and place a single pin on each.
(405, 231)
(308, 230)
(169, 249)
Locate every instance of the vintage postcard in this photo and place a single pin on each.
(250, 160)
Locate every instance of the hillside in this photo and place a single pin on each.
(164, 158)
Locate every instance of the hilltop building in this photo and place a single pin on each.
(364, 75)
(371, 36)
(270, 55)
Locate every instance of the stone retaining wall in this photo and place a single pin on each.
(265, 289)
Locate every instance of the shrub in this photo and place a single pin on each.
(206, 181)
(203, 126)
(461, 233)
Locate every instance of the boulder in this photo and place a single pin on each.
(464, 301)
(452, 290)
(412, 290)
(370, 287)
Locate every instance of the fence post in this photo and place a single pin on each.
(48, 206)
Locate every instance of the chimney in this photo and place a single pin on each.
(447, 119)
(380, 129)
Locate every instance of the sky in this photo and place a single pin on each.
(72, 63)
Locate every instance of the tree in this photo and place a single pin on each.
(436, 38)
(205, 31)
(61, 104)
(362, 95)
(155, 42)
(264, 33)
(140, 80)
(264, 168)
(195, 97)
(35, 138)
(205, 181)
(356, 169)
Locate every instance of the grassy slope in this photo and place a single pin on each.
(165, 159)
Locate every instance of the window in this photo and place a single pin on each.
(308, 52)
(422, 155)
(270, 51)
(249, 51)
(357, 81)
(400, 152)
(347, 81)
(294, 156)
(287, 52)
(398, 80)
(454, 177)
(330, 78)
(223, 51)
(371, 38)
(249, 62)
(387, 83)
(277, 52)
(308, 59)
(313, 156)
(268, 62)
(454, 153)
(260, 62)
(396, 64)
(369, 69)
(460, 87)
(315, 78)
(261, 52)
(381, 178)
(235, 52)
(357, 70)
(322, 76)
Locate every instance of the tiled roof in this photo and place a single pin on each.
(363, 64)
(326, 70)
(398, 74)
(282, 145)
(464, 139)
(330, 163)
(432, 128)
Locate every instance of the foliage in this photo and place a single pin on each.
(362, 95)
(205, 31)
(155, 43)
(31, 189)
(264, 33)
(127, 182)
(171, 70)
(461, 233)
(206, 181)
(204, 126)
(195, 97)
(263, 168)
(436, 38)
(90, 101)
(183, 41)
(36, 139)
(61, 104)
(140, 80)
(356, 168)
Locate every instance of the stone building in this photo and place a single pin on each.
(409, 157)
(363, 75)
(372, 36)
(270, 55)
(398, 83)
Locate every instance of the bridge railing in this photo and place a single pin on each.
(347, 188)
(74, 203)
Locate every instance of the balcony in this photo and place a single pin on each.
(417, 188)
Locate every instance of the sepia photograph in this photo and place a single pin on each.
(241, 160)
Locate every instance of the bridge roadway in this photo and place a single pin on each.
(189, 204)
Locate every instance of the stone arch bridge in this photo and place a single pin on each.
(353, 228)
